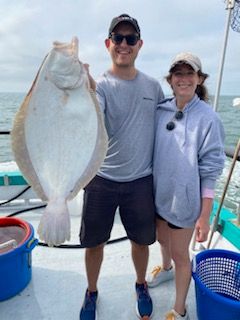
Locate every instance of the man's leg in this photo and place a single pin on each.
(140, 254)
(99, 206)
(93, 262)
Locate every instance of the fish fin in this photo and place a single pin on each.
(19, 147)
(98, 155)
(54, 226)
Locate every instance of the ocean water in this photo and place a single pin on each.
(10, 103)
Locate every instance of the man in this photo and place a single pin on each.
(128, 99)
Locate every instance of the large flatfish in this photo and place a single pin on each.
(58, 137)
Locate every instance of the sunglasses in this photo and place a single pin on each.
(171, 124)
(131, 39)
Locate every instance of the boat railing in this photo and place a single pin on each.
(228, 150)
(27, 194)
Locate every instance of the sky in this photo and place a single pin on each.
(29, 27)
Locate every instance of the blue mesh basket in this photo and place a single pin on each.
(217, 284)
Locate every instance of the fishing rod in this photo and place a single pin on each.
(233, 18)
(216, 219)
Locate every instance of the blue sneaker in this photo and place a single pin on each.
(144, 306)
(88, 311)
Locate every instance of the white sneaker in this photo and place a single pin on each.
(159, 275)
(173, 315)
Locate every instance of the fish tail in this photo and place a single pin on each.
(54, 226)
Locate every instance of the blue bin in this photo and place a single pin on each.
(16, 262)
(217, 284)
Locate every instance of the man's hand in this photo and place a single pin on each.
(90, 78)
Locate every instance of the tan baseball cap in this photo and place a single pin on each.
(187, 58)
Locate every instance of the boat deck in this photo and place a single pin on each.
(58, 282)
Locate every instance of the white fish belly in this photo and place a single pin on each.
(61, 134)
(58, 138)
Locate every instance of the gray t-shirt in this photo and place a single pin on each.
(129, 108)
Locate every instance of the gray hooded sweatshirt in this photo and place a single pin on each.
(187, 159)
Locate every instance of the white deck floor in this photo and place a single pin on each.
(58, 282)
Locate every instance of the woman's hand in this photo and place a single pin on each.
(202, 226)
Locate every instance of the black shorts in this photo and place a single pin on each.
(172, 226)
(136, 207)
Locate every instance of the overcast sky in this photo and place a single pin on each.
(28, 28)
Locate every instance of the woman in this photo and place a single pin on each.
(188, 159)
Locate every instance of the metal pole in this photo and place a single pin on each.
(230, 6)
(238, 215)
